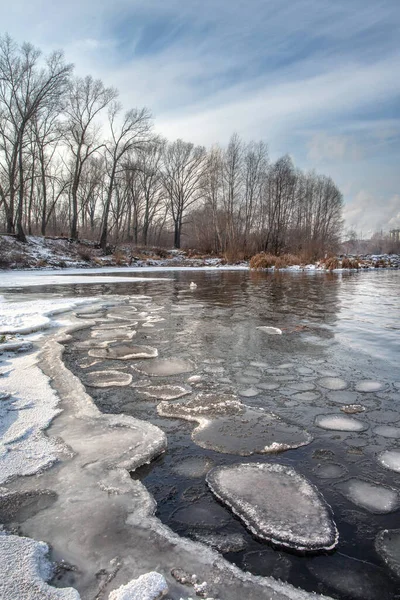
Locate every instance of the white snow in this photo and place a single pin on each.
(277, 504)
(270, 330)
(375, 498)
(151, 586)
(390, 459)
(25, 568)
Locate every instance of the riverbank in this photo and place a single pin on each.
(63, 253)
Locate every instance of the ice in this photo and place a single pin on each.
(193, 467)
(15, 346)
(276, 504)
(375, 498)
(227, 426)
(165, 367)
(270, 330)
(113, 334)
(368, 386)
(103, 379)
(194, 379)
(387, 544)
(249, 392)
(247, 379)
(121, 351)
(165, 392)
(150, 586)
(332, 383)
(33, 315)
(330, 471)
(268, 386)
(306, 396)
(390, 459)
(203, 514)
(388, 431)
(223, 542)
(341, 397)
(352, 409)
(25, 568)
(352, 578)
(302, 386)
(340, 423)
(16, 279)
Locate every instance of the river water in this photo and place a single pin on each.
(334, 326)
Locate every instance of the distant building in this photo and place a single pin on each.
(395, 235)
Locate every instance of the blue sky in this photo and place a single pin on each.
(318, 79)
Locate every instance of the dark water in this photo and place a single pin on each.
(338, 326)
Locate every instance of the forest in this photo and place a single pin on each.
(75, 163)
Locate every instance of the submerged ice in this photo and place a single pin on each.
(107, 378)
(165, 367)
(375, 498)
(124, 351)
(339, 423)
(276, 504)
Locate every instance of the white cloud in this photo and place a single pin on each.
(367, 213)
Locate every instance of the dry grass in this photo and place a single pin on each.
(349, 263)
(264, 260)
(120, 258)
(331, 263)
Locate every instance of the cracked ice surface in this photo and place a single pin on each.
(375, 498)
(277, 504)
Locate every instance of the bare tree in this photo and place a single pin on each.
(26, 90)
(133, 133)
(86, 99)
(182, 172)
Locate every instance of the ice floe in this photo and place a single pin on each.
(387, 431)
(193, 467)
(390, 459)
(150, 586)
(277, 504)
(108, 378)
(249, 392)
(270, 330)
(339, 423)
(368, 386)
(121, 351)
(332, 383)
(352, 409)
(330, 471)
(165, 367)
(25, 569)
(375, 498)
(387, 544)
(113, 334)
(229, 427)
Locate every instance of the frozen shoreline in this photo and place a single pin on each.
(98, 487)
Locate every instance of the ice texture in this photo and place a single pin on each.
(165, 392)
(165, 367)
(340, 423)
(202, 515)
(276, 504)
(112, 334)
(150, 586)
(387, 431)
(390, 459)
(375, 498)
(387, 544)
(249, 392)
(223, 542)
(108, 378)
(227, 426)
(120, 351)
(25, 569)
(270, 330)
(332, 383)
(368, 386)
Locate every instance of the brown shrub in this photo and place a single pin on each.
(85, 253)
(233, 255)
(349, 263)
(331, 263)
(119, 258)
(263, 260)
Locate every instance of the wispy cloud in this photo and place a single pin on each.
(315, 78)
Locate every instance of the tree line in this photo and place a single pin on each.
(74, 163)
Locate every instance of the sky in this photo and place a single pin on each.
(317, 79)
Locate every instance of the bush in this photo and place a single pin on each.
(119, 258)
(349, 263)
(331, 263)
(263, 260)
(85, 254)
